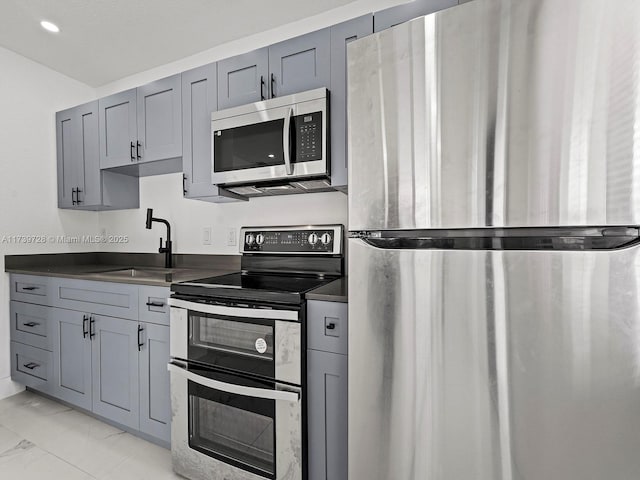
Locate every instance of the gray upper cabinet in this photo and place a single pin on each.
(155, 405)
(299, 64)
(199, 99)
(78, 156)
(341, 35)
(141, 125)
(118, 129)
(115, 369)
(159, 120)
(243, 79)
(396, 15)
(81, 184)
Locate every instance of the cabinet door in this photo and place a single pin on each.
(155, 398)
(301, 63)
(243, 79)
(67, 139)
(395, 15)
(160, 120)
(71, 357)
(341, 35)
(327, 415)
(88, 179)
(118, 129)
(115, 369)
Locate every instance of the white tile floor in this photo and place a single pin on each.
(43, 440)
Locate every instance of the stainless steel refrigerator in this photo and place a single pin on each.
(494, 267)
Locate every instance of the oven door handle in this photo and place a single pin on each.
(235, 389)
(235, 311)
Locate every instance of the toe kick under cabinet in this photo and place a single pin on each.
(101, 346)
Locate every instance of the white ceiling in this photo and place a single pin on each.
(105, 40)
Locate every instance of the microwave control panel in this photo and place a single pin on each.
(320, 240)
(308, 136)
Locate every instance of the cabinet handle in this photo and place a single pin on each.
(330, 326)
(133, 153)
(262, 87)
(78, 201)
(73, 199)
(140, 344)
(29, 288)
(273, 80)
(31, 365)
(85, 332)
(31, 324)
(184, 184)
(138, 147)
(92, 330)
(155, 304)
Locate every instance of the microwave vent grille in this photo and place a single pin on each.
(312, 184)
(245, 190)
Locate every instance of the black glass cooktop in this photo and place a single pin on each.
(278, 288)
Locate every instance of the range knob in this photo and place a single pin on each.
(249, 239)
(313, 238)
(325, 238)
(260, 239)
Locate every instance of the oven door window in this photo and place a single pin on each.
(233, 428)
(248, 146)
(239, 344)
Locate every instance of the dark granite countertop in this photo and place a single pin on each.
(335, 291)
(136, 268)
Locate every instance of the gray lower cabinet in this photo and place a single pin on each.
(199, 99)
(396, 15)
(341, 35)
(155, 404)
(300, 63)
(327, 388)
(115, 369)
(141, 125)
(81, 184)
(72, 357)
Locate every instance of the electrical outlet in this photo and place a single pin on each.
(206, 235)
(231, 237)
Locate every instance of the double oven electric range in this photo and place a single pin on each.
(238, 344)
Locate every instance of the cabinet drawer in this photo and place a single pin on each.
(153, 306)
(105, 298)
(33, 367)
(31, 289)
(30, 325)
(327, 326)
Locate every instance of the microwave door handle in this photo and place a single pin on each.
(235, 389)
(286, 144)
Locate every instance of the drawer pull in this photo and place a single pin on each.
(155, 304)
(330, 326)
(31, 324)
(29, 288)
(31, 365)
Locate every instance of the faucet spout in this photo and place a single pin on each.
(168, 256)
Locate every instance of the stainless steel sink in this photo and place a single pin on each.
(146, 273)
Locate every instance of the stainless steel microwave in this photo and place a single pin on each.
(280, 139)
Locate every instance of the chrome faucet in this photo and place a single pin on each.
(167, 244)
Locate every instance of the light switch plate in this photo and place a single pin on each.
(231, 237)
(206, 235)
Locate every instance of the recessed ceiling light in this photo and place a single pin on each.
(51, 27)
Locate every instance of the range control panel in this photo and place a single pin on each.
(324, 239)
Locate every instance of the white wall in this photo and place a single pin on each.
(30, 94)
